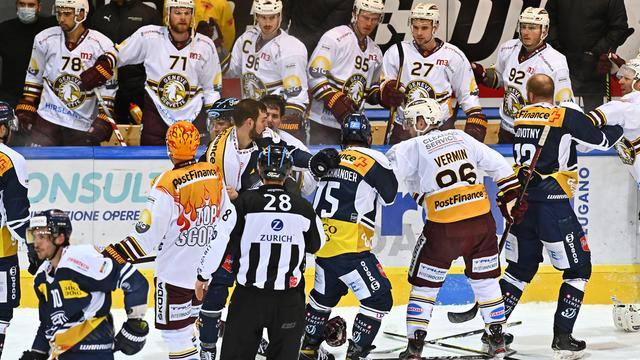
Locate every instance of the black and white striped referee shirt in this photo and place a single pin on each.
(273, 231)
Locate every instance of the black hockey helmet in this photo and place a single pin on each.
(356, 129)
(222, 109)
(55, 222)
(274, 162)
(8, 117)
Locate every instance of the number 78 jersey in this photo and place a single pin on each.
(347, 200)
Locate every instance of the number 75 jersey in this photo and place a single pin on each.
(347, 200)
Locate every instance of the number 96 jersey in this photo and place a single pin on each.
(347, 200)
(443, 165)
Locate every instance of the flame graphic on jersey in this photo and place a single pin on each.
(198, 198)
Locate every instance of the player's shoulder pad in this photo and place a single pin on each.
(204, 40)
(97, 36)
(48, 33)
(291, 46)
(43, 268)
(338, 34)
(509, 45)
(150, 31)
(86, 260)
(375, 155)
(252, 32)
(571, 105)
(11, 159)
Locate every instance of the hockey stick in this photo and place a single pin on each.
(392, 112)
(607, 75)
(450, 357)
(433, 341)
(465, 316)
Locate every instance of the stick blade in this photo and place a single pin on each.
(457, 318)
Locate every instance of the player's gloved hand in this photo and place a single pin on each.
(293, 123)
(616, 59)
(97, 75)
(335, 332)
(132, 337)
(34, 262)
(26, 113)
(604, 65)
(504, 198)
(478, 72)
(99, 131)
(518, 210)
(340, 105)
(392, 94)
(323, 161)
(116, 252)
(476, 126)
(34, 355)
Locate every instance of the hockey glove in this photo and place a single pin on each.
(26, 113)
(335, 331)
(340, 105)
(478, 72)
(616, 59)
(97, 75)
(293, 123)
(116, 252)
(476, 126)
(34, 355)
(132, 337)
(99, 131)
(34, 262)
(323, 161)
(516, 215)
(390, 96)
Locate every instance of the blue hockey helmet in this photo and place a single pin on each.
(8, 116)
(274, 162)
(52, 221)
(356, 129)
(222, 109)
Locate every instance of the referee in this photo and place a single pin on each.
(273, 231)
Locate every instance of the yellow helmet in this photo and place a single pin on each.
(183, 140)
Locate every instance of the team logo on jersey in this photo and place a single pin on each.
(144, 222)
(513, 101)
(418, 89)
(320, 66)
(473, 88)
(292, 85)
(173, 90)
(33, 67)
(355, 86)
(67, 88)
(252, 87)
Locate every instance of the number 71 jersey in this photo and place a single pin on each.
(347, 200)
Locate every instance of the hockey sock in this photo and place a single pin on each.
(208, 328)
(365, 329)
(419, 309)
(512, 289)
(489, 297)
(569, 302)
(316, 319)
(179, 342)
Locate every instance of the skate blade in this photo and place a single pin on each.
(567, 355)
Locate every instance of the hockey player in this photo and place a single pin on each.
(14, 219)
(270, 61)
(275, 229)
(347, 201)
(73, 286)
(305, 180)
(181, 217)
(432, 69)
(459, 220)
(518, 60)
(550, 221)
(55, 110)
(183, 71)
(344, 72)
(219, 117)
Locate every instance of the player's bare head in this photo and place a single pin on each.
(179, 15)
(533, 26)
(422, 115)
(250, 116)
(268, 16)
(366, 15)
(629, 76)
(275, 109)
(424, 20)
(540, 88)
(70, 14)
(29, 4)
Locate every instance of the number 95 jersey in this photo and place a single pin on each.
(443, 165)
(347, 200)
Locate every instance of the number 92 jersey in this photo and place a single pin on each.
(513, 71)
(443, 165)
(347, 200)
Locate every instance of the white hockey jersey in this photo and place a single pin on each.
(626, 113)
(309, 182)
(338, 64)
(179, 81)
(443, 165)
(444, 72)
(513, 73)
(278, 67)
(54, 76)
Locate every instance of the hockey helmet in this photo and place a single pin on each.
(266, 7)
(76, 5)
(53, 222)
(274, 162)
(183, 139)
(430, 111)
(356, 129)
(8, 116)
(187, 4)
(425, 11)
(374, 6)
(536, 16)
(222, 109)
(630, 70)
(626, 317)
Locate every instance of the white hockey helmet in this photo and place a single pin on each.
(77, 5)
(373, 6)
(425, 11)
(430, 111)
(626, 317)
(266, 7)
(631, 70)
